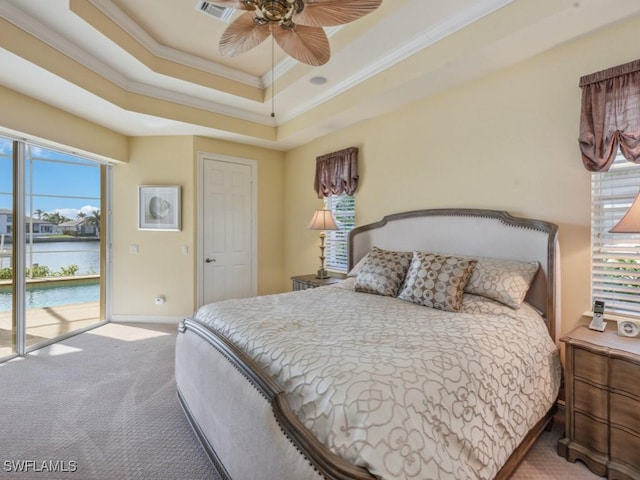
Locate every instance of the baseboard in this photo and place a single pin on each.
(145, 319)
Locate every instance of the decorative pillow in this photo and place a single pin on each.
(437, 281)
(506, 281)
(383, 272)
(358, 266)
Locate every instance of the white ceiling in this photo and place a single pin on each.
(396, 55)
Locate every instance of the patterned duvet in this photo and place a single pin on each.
(400, 389)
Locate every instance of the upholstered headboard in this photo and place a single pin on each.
(472, 232)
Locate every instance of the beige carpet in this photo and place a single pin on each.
(104, 404)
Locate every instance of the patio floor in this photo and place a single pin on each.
(49, 322)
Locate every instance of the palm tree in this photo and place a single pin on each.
(94, 219)
(39, 213)
(55, 218)
(81, 215)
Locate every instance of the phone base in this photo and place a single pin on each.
(598, 326)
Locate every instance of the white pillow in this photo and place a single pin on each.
(506, 281)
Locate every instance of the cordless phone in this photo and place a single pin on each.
(598, 322)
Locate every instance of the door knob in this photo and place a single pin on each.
(209, 260)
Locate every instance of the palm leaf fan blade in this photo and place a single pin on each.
(326, 13)
(309, 45)
(242, 35)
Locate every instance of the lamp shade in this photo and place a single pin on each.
(322, 220)
(630, 223)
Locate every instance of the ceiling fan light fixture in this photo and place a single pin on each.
(301, 34)
(278, 11)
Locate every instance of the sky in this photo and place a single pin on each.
(76, 179)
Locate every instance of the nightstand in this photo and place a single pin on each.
(602, 385)
(302, 282)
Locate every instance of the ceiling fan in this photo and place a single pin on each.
(296, 25)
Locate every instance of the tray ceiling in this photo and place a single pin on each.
(148, 67)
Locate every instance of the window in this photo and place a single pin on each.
(337, 241)
(615, 257)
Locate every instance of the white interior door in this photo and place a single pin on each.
(227, 253)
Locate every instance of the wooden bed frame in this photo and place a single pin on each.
(216, 381)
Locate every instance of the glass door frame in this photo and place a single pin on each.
(19, 239)
(18, 258)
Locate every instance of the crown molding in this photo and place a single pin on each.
(44, 34)
(197, 102)
(125, 22)
(413, 46)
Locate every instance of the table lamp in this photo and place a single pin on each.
(630, 223)
(322, 220)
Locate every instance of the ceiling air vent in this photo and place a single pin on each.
(221, 13)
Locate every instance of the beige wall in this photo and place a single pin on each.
(40, 121)
(160, 267)
(506, 141)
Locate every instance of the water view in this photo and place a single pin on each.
(58, 255)
(39, 295)
(60, 194)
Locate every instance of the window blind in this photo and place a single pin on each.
(615, 257)
(336, 241)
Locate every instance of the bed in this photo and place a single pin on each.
(361, 381)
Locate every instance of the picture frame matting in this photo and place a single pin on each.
(159, 207)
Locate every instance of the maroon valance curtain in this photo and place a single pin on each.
(610, 117)
(337, 173)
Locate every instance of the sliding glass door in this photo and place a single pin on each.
(56, 246)
(7, 320)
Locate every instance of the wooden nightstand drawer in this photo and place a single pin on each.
(590, 366)
(625, 376)
(625, 448)
(625, 412)
(591, 400)
(602, 419)
(590, 433)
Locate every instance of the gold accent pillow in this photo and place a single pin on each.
(382, 272)
(437, 281)
(506, 281)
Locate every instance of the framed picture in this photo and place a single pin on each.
(159, 207)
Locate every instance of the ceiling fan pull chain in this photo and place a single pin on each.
(273, 80)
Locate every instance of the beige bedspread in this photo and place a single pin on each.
(400, 389)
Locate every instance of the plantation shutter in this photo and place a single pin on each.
(615, 259)
(337, 246)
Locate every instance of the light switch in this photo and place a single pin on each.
(133, 248)
(185, 249)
